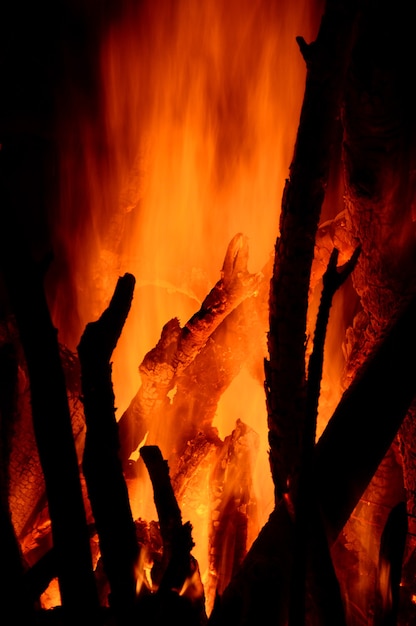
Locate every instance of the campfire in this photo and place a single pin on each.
(207, 314)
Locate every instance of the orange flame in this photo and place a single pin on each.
(199, 111)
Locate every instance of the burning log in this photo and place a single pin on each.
(178, 347)
(177, 539)
(236, 343)
(106, 486)
(310, 535)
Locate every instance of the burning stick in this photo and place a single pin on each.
(170, 518)
(179, 568)
(310, 535)
(106, 486)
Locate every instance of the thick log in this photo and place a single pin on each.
(102, 468)
(326, 60)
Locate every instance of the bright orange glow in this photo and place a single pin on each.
(385, 585)
(51, 597)
(199, 112)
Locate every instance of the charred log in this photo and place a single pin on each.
(310, 534)
(180, 592)
(326, 61)
(169, 514)
(102, 468)
(238, 342)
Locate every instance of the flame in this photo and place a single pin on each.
(143, 571)
(199, 109)
(51, 597)
(385, 585)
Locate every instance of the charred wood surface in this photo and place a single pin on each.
(310, 533)
(102, 467)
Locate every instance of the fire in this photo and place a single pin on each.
(385, 585)
(198, 113)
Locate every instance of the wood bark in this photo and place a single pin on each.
(102, 467)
